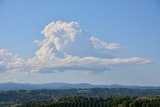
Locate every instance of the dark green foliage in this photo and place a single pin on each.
(95, 102)
(97, 97)
(44, 94)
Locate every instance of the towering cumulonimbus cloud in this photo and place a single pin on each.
(68, 47)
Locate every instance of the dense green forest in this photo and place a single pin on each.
(97, 102)
(102, 96)
(44, 94)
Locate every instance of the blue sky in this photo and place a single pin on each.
(135, 25)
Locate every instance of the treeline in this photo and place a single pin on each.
(97, 102)
(19, 96)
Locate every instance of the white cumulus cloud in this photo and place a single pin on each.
(66, 46)
(9, 61)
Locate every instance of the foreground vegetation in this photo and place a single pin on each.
(97, 102)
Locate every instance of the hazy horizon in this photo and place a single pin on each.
(95, 42)
(125, 85)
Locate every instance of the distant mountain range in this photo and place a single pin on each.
(27, 86)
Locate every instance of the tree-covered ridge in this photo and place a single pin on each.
(97, 102)
(44, 94)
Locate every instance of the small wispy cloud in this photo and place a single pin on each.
(67, 47)
(101, 45)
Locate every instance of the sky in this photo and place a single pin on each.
(85, 41)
